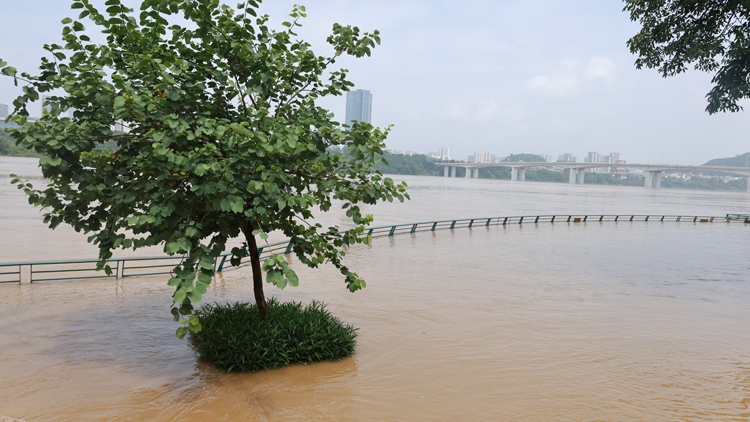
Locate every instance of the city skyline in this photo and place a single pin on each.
(533, 75)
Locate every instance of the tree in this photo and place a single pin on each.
(526, 158)
(713, 36)
(224, 139)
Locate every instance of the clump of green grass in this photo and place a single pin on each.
(236, 337)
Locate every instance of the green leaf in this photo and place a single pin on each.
(46, 160)
(194, 296)
(203, 277)
(275, 277)
(181, 332)
(66, 21)
(292, 277)
(172, 247)
(238, 206)
(184, 244)
(119, 102)
(179, 296)
(103, 99)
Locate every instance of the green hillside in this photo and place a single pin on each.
(742, 160)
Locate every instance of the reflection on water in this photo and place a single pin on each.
(612, 321)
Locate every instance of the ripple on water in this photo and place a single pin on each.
(486, 324)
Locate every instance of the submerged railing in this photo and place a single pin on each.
(128, 267)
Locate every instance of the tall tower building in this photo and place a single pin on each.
(3, 111)
(46, 108)
(358, 106)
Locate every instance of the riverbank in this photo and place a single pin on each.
(421, 165)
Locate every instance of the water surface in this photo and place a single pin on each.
(589, 321)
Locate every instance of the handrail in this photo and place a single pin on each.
(285, 247)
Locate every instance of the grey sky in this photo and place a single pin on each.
(540, 76)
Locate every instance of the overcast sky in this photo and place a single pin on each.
(531, 76)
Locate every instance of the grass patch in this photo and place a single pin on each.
(236, 337)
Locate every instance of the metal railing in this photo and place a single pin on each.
(123, 267)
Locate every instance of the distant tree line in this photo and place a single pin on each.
(9, 148)
(526, 158)
(742, 160)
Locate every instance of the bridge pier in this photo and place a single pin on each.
(475, 173)
(748, 184)
(653, 179)
(468, 173)
(517, 174)
(446, 171)
(657, 179)
(579, 177)
(576, 176)
(453, 171)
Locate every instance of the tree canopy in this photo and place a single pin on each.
(711, 35)
(223, 139)
(526, 158)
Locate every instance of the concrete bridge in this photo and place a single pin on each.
(653, 172)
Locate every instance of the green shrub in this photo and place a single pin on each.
(236, 337)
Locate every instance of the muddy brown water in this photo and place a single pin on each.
(587, 321)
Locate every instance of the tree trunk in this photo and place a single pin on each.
(260, 298)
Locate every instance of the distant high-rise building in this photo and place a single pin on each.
(482, 157)
(471, 159)
(595, 157)
(46, 108)
(547, 158)
(566, 158)
(3, 111)
(444, 153)
(119, 126)
(358, 106)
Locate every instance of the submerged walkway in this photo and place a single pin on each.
(33, 271)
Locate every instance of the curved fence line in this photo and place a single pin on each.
(14, 272)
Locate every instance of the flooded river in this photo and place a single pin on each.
(565, 322)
